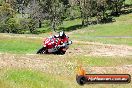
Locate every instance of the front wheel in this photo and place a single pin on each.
(42, 50)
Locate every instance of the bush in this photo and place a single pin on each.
(28, 25)
(18, 26)
(13, 26)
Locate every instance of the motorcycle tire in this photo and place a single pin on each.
(60, 52)
(41, 51)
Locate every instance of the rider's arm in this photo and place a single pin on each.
(56, 36)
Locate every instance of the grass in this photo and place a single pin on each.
(22, 78)
(23, 44)
(67, 24)
(122, 27)
(103, 61)
(30, 79)
(19, 45)
(117, 41)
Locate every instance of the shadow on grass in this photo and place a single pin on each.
(80, 26)
(72, 28)
(110, 19)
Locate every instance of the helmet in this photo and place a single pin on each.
(62, 34)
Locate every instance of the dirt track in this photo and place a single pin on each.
(60, 64)
(99, 49)
(91, 48)
(52, 66)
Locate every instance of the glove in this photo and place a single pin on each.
(63, 45)
(57, 47)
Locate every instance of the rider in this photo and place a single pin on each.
(56, 41)
(62, 37)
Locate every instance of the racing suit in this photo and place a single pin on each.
(55, 42)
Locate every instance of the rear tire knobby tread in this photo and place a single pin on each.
(41, 51)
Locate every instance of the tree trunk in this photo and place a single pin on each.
(117, 13)
(53, 25)
(83, 22)
(40, 24)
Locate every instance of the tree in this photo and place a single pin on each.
(116, 6)
(6, 12)
(35, 11)
(52, 10)
(87, 10)
(31, 25)
(102, 7)
(56, 13)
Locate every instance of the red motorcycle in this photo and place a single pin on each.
(53, 45)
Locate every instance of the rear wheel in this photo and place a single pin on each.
(42, 50)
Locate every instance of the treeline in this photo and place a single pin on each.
(21, 16)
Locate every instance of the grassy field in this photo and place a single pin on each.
(35, 79)
(29, 79)
(19, 45)
(60, 71)
(20, 67)
(121, 28)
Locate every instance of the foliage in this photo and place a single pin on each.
(27, 25)
(55, 13)
(116, 6)
(12, 43)
(13, 26)
(35, 12)
(6, 12)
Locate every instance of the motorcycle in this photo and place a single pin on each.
(54, 45)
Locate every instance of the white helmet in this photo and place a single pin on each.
(62, 34)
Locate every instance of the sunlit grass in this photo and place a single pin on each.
(103, 61)
(122, 27)
(19, 45)
(30, 79)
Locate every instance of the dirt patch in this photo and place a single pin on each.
(126, 69)
(54, 65)
(99, 49)
(91, 48)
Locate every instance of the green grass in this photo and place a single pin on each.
(117, 41)
(103, 61)
(122, 27)
(67, 24)
(19, 45)
(30, 79)
(22, 44)
(14, 78)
